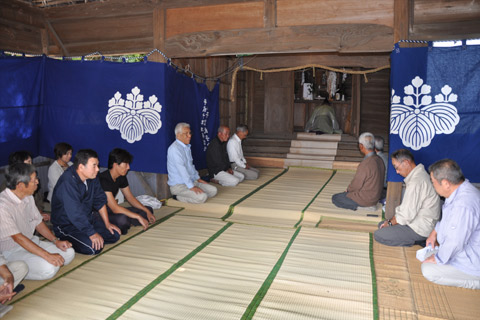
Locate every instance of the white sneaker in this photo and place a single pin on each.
(4, 309)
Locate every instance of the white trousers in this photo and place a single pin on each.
(449, 276)
(186, 195)
(39, 268)
(229, 180)
(250, 174)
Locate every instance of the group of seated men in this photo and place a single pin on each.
(225, 161)
(420, 218)
(85, 214)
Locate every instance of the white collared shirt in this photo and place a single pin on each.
(235, 152)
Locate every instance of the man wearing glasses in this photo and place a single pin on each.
(416, 216)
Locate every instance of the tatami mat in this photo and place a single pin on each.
(102, 285)
(220, 281)
(218, 206)
(281, 202)
(323, 206)
(326, 275)
(31, 285)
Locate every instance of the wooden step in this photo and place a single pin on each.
(314, 144)
(312, 151)
(311, 157)
(266, 142)
(309, 163)
(318, 137)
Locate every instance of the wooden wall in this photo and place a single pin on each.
(375, 104)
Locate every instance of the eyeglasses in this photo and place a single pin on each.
(396, 167)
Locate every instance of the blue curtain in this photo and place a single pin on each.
(103, 105)
(21, 101)
(435, 105)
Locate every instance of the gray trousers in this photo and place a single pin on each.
(448, 275)
(250, 174)
(186, 195)
(397, 236)
(342, 201)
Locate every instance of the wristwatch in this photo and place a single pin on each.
(390, 223)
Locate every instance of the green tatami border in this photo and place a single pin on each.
(96, 256)
(314, 197)
(252, 307)
(232, 206)
(374, 279)
(127, 305)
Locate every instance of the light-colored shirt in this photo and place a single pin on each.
(235, 152)
(384, 157)
(180, 165)
(2, 260)
(458, 233)
(420, 207)
(16, 216)
(54, 172)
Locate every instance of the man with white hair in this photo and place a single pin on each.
(235, 154)
(183, 179)
(365, 189)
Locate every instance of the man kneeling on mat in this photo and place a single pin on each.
(79, 211)
(115, 179)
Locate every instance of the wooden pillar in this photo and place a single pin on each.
(401, 24)
(162, 191)
(356, 101)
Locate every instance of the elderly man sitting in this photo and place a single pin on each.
(365, 189)
(183, 179)
(19, 218)
(457, 262)
(416, 216)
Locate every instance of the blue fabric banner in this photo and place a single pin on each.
(20, 105)
(435, 106)
(135, 106)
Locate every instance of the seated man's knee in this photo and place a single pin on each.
(122, 222)
(68, 255)
(42, 270)
(18, 268)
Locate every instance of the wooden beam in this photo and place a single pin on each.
(401, 20)
(367, 61)
(446, 31)
(270, 15)
(56, 38)
(158, 34)
(356, 104)
(322, 38)
(44, 39)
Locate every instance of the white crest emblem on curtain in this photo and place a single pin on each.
(133, 116)
(418, 120)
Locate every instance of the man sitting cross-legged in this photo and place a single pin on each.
(183, 178)
(217, 160)
(20, 218)
(79, 212)
(416, 216)
(114, 179)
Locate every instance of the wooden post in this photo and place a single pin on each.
(162, 191)
(401, 23)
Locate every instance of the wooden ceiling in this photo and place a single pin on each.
(201, 28)
(56, 3)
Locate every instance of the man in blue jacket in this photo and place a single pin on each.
(79, 212)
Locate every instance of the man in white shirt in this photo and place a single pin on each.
(416, 216)
(235, 154)
(19, 218)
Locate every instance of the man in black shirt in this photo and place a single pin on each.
(217, 160)
(114, 179)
